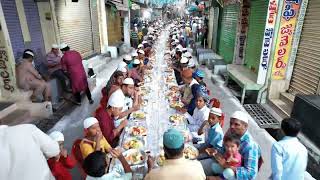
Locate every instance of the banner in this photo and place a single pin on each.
(267, 41)
(284, 40)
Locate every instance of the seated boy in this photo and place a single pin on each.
(93, 140)
(95, 165)
(61, 164)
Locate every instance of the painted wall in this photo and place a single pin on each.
(15, 33)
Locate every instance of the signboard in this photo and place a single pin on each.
(284, 40)
(267, 41)
(243, 26)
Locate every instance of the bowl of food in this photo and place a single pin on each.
(176, 118)
(139, 115)
(133, 143)
(138, 131)
(190, 152)
(134, 156)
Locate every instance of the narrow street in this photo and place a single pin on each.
(159, 90)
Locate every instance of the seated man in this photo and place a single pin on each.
(54, 67)
(93, 139)
(135, 72)
(175, 165)
(249, 149)
(107, 116)
(28, 78)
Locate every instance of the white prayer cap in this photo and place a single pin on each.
(57, 136)
(122, 65)
(173, 43)
(87, 123)
(182, 36)
(191, 63)
(216, 111)
(116, 99)
(184, 60)
(242, 116)
(63, 45)
(123, 69)
(136, 61)
(144, 42)
(128, 81)
(177, 41)
(134, 54)
(55, 46)
(30, 53)
(127, 57)
(135, 24)
(188, 54)
(141, 51)
(140, 46)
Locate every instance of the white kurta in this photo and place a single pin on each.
(198, 117)
(23, 152)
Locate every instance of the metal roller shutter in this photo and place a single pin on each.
(257, 19)
(228, 30)
(95, 26)
(74, 22)
(306, 71)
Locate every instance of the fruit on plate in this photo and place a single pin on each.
(134, 156)
(176, 118)
(190, 152)
(138, 131)
(133, 143)
(176, 104)
(139, 115)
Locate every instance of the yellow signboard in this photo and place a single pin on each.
(284, 40)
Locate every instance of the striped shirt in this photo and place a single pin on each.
(250, 152)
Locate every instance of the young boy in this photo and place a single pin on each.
(232, 156)
(60, 164)
(95, 166)
(93, 140)
(215, 133)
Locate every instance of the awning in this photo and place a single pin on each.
(119, 6)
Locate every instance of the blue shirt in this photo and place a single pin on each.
(288, 159)
(215, 136)
(130, 66)
(250, 152)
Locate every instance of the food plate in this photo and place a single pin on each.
(133, 143)
(160, 159)
(176, 118)
(174, 88)
(134, 156)
(138, 131)
(139, 115)
(176, 104)
(190, 152)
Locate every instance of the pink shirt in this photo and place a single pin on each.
(236, 156)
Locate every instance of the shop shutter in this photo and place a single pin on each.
(306, 71)
(257, 20)
(74, 23)
(228, 28)
(95, 26)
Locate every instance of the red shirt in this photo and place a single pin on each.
(106, 123)
(236, 156)
(60, 168)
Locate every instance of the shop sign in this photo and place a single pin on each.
(267, 41)
(284, 40)
(243, 29)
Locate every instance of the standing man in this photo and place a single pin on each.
(71, 62)
(134, 37)
(24, 151)
(288, 156)
(54, 67)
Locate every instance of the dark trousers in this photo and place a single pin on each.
(59, 74)
(78, 95)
